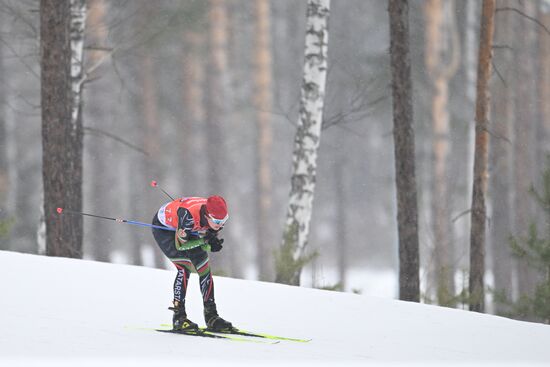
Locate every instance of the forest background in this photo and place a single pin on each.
(152, 110)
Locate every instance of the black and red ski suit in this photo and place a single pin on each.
(186, 214)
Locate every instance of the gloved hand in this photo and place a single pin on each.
(191, 235)
(210, 234)
(215, 244)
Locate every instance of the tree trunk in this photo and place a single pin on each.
(442, 63)
(5, 141)
(193, 144)
(403, 135)
(4, 177)
(470, 48)
(306, 144)
(544, 77)
(217, 112)
(97, 167)
(148, 138)
(262, 104)
(341, 212)
(543, 83)
(464, 155)
(241, 62)
(500, 161)
(78, 23)
(150, 135)
(524, 140)
(479, 216)
(61, 132)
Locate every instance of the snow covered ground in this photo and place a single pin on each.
(64, 312)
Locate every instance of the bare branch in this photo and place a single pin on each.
(467, 211)
(502, 47)
(99, 132)
(99, 48)
(25, 64)
(498, 136)
(498, 73)
(535, 20)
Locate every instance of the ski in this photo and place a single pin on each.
(240, 332)
(208, 334)
(201, 333)
(236, 331)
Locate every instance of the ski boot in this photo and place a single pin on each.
(213, 321)
(180, 320)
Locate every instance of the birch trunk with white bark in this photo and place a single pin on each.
(78, 23)
(306, 144)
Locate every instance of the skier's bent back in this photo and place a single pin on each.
(198, 222)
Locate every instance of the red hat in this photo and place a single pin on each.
(216, 207)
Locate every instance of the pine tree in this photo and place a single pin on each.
(536, 251)
(61, 124)
(479, 213)
(405, 176)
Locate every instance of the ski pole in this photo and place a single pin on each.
(118, 220)
(155, 184)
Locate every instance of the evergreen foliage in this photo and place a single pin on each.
(5, 227)
(536, 251)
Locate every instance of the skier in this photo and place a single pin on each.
(198, 222)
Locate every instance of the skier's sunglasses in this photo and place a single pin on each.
(219, 222)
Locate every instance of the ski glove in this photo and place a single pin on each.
(191, 236)
(215, 244)
(210, 234)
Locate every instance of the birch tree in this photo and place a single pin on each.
(403, 135)
(78, 23)
(479, 215)
(61, 44)
(291, 256)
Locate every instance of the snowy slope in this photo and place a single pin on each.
(63, 312)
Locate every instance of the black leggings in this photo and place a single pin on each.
(185, 261)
